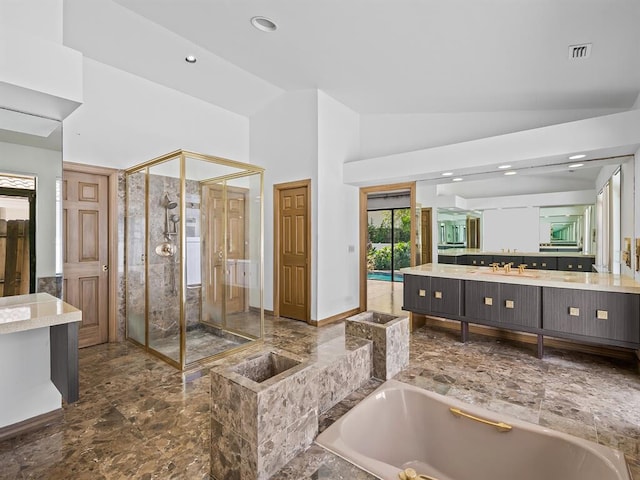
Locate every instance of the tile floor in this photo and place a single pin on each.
(138, 418)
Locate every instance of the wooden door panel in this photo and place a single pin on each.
(293, 253)
(86, 252)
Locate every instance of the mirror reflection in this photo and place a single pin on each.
(30, 173)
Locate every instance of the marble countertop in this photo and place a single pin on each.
(455, 252)
(36, 310)
(605, 282)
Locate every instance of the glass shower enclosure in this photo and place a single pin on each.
(194, 256)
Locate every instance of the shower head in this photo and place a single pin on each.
(168, 204)
(175, 218)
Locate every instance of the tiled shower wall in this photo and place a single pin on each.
(164, 307)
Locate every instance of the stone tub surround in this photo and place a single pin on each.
(605, 282)
(390, 337)
(265, 405)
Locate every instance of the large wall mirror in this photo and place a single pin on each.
(567, 228)
(30, 203)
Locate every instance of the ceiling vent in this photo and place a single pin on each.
(577, 52)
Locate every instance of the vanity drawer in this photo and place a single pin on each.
(447, 296)
(575, 264)
(602, 315)
(541, 263)
(480, 260)
(482, 301)
(416, 293)
(520, 305)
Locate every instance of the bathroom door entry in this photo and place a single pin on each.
(224, 252)
(86, 252)
(292, 250)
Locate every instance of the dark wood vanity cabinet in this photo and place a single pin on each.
(416, 293)
(607, 317)
(503, 304)
(576, 263)
(433, 295)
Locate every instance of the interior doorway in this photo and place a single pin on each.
(388, 233)
(292, 250)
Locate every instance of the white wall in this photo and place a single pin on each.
(395, 133)
(126, 120)
(284, 140)
(511, 228)
(338, 210)
(46, 165)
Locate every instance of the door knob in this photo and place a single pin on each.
(105, 268)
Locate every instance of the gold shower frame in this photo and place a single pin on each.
(183, 155)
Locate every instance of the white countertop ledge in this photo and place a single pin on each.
(35, 310)
(605, 282)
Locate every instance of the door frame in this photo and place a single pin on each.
(276, 243)
(364, 231)
(112, 225)
(426, 218)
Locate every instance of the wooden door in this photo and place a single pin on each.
(294, 252)
(86, 251)
(426, 236)
(224, 286)
(473, 232)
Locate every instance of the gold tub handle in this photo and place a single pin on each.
(411, 474)
(501, 426)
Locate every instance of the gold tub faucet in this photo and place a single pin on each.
(410, 474)
(507, 267)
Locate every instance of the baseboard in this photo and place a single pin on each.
(334, 318)
(529, 338)
(31, 424)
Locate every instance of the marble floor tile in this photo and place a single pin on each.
(139, 418)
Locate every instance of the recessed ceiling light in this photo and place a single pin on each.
(511, 172)
(576, 157)
(190, 59)
(447, 174)
(264, 24)
(502, 167)
(576, 165)
(457, 179)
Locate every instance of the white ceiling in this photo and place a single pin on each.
(377, 56)
(408, 56)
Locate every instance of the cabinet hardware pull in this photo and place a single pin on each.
(488, 301)
(422, 293)
(602, 314)
(544, 264)
(534, 264)
(570, 266)
(437, 294)
(579, 266)
(574, 312)
(509, 304)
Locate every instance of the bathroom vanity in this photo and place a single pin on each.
(565, 261)
(38, 360)
(595, 308)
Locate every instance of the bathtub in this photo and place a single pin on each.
(400, 426)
